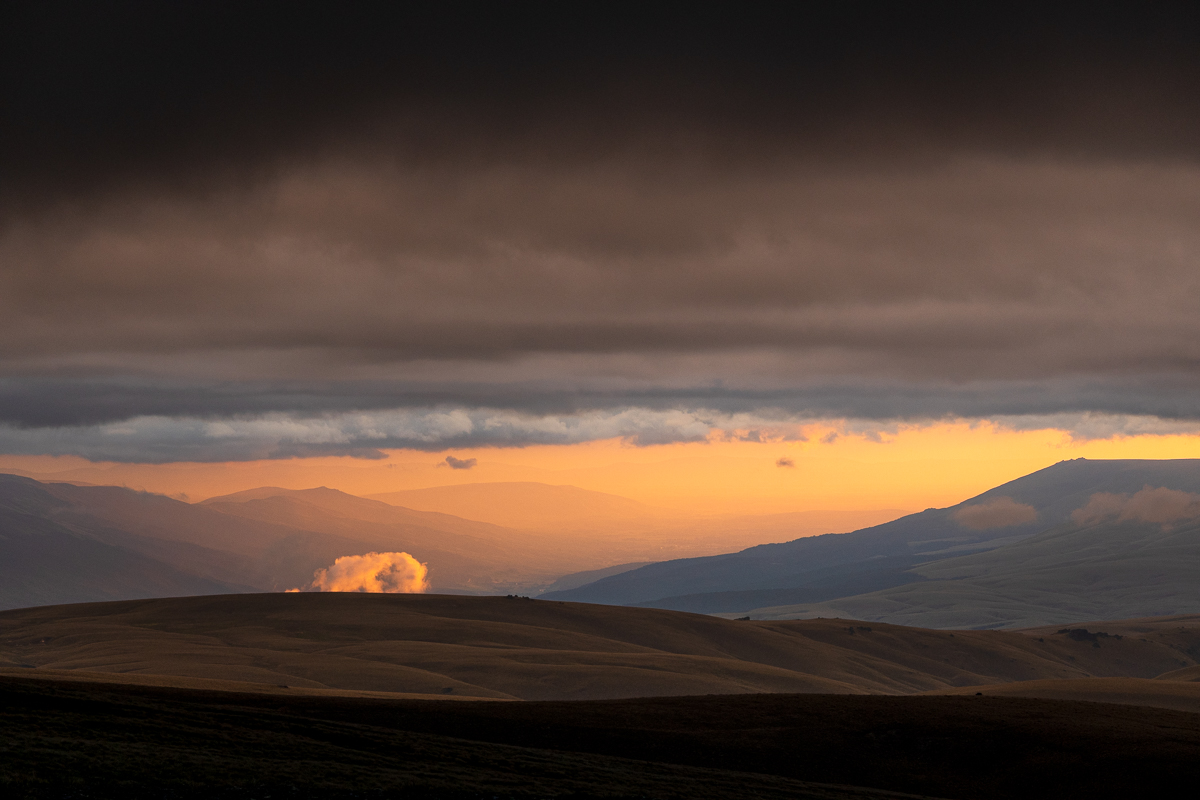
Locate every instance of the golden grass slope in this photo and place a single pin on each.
(516, 648)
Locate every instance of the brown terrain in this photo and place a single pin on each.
(362, 695)
(516, 648)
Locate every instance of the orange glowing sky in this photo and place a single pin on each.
(912, 468)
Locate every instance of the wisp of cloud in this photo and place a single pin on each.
(1159, 505)
(999, 513)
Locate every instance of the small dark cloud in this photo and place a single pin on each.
(785, 462)
(460, 463)
(829, 438)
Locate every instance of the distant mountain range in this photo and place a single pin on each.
(64, 542)
(1081, 540)
(1078, 540)
(61, 543)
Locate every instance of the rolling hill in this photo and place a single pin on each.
(1011, 556)
(517, 648)
(373, 695)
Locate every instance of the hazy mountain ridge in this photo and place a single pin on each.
(350, 506)
(1051, 546)
(896, 571)
(272, 539)
(66, 543)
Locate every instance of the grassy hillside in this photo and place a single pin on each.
(516, 648)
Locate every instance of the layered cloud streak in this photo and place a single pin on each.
(368, 435)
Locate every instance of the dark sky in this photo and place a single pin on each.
(237, 230)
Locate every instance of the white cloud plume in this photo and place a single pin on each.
(389, 573)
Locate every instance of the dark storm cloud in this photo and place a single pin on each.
(340, 230)
(103, 94)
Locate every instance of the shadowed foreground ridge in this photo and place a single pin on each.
(105, 741)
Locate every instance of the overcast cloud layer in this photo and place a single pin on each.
(251, 231)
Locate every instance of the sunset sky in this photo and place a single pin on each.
(743, 260)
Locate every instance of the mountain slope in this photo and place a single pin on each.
(824, 568)
(1110, 569)
(45, 558)
(48, 563)
(191, 538)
